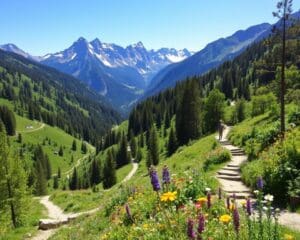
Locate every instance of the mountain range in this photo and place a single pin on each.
(120, 74)
(125, 75)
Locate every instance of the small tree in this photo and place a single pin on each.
(61, 151)
(172, 143)
(83, 148)
(73, 184)
(109, 172)
(74, 145)
(55, 182)
(153, 148)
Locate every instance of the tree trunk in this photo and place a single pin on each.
(282, 82)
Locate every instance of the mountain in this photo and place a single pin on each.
(120, 74)
(211, 56)
(14, 49)
(45, 94)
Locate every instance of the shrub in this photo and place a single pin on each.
(217, 156)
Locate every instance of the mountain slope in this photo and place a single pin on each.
(211, 56)
(120, 74)
(43, 93)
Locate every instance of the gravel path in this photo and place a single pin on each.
(231, 182)
(57, 217)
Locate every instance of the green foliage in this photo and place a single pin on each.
(153, 148)
(172, 143)
(214, 110)
(188, 116)
(217, 156)
(109, 172)
(262, 103)
(74, 145)
(9, 120)
(74, 181)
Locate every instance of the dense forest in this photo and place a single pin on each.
(44, 94)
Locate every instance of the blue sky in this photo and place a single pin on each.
(42, 26)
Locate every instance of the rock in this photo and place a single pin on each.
(45, 224)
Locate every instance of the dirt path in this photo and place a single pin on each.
(131, 173)
(57, 217)
(231, 182)
(33, 130)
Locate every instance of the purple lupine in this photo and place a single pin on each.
(228, 202)
(220, 193)
(260, 183)
(208, 199)
(248, 206)
(201, 223)
(166, 175)
(236, 219)
(128, 212)
(154, 180)
(190, 229)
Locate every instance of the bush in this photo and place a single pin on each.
(217, 156)
(263, 103)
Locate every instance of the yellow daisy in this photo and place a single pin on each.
(168, 196)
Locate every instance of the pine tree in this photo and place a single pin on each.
(8, 119)
(19, 138)
(188, 124)
(41, 179)
(153, 148)
(55, 182)
(74, 145)
(172, 143)
(109, 172)
(133, 147)
(123, 157)
(12, 182)
(47, 167)
(59, 173)
(139, 155)
(73, 184)
(95, 172)
(83, 148)
(61, 151)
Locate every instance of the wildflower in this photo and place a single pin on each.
(236, 219)
(198, 205)
(248, 206)
(207, 189)
(166, 175)
(208, 200)
(225, 218)
(168, 196)
(288, 237)
(269, 198)
(145, 226)
(231, 207)
(260, 183)
(244, 203)
(190, 229)
(256, 192)
(201, 223)
(202, 200)
(154, 180)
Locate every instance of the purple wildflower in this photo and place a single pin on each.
(201, 223)
(208, 199)
(228, 202)
(248, 206)
(128, 212)
(260, 183)
(166, 175)
(190, 229)
(236, 219)
(154, 180)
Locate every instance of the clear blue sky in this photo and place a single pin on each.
(42, 26)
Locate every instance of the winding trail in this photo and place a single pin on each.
(33, 130)
(57, 217)
(231, 181)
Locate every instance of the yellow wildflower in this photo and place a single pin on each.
(202, 200)
(168, 196)
(145, 226)
(288, 237)
(225, 218)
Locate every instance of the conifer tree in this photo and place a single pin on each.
(12, 182)
(61, 151)
(123, 157)
(188, 116)
(74, 145)
(83, 148)
(19, 138)
(139, 155)
(41, 180)
(73, 183)
(109, 172)
(172, 143)
(133, 147)
(55, 182)
(8, 119)
(58, 172)
(153, 148)
(95, 172)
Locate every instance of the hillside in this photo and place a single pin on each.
(42, 93)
